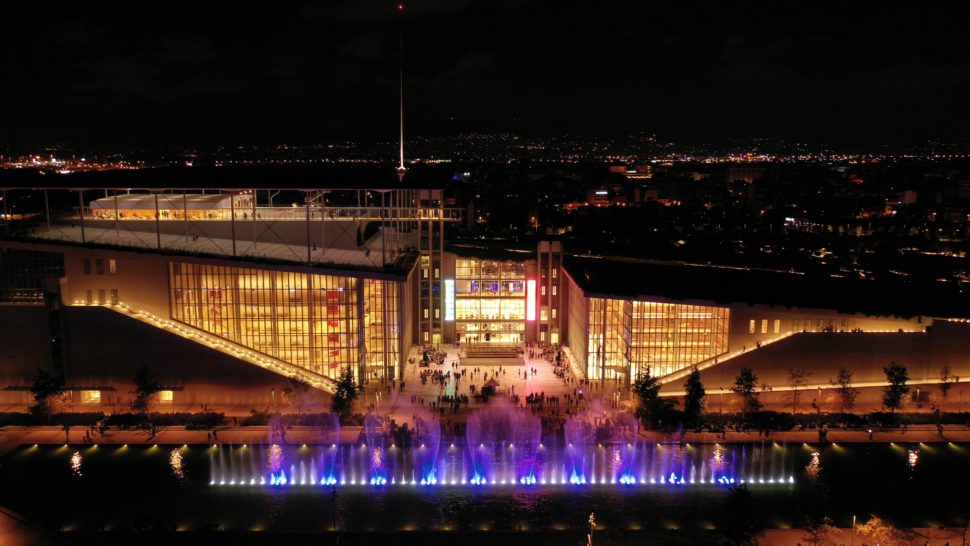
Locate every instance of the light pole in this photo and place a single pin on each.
(592, 527)
(853, 531)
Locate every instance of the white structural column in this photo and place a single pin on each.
(158, 227)
(80, 211)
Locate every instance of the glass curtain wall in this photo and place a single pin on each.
(307, 320)
(627, 338)
(606, 358)
(23, 272)
(665, 338)
(489, 301)
(382, 327)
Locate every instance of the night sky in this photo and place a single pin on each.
(171, 73)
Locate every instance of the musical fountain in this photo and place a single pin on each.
(501, 447)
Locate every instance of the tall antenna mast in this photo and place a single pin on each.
(401, 168)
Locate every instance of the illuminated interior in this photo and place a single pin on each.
(630, 337)
(489, 301)
(383, 331)
(305, 319)
(142, 206)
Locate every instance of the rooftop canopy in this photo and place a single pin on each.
(315, 177)
(166, 201)
(643, 279)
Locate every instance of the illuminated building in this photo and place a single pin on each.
(303, 284)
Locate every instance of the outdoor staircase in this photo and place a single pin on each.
(485, 350)
(720, 359)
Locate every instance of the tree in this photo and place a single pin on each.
(741, 520)
(146, 385)
(298, 393)
(819, 531)
(694, 397)
(650, 407)
(45, 388)
(746, 387)
(797, 377)
(343, 399)
(843, 385)
(892, 394)
(947, 380)
(881, 531)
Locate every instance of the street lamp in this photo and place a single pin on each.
(853, 530)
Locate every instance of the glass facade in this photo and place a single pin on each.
(382, 329)
(23, 272)
(630, 337)
(667, 337)
(308, 320)
(489, 301)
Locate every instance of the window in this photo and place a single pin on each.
(99, 266)
(751, 326)
(166, 396)
(542, 291)
(764, 326)
(424, 272)
(88, 296)
(425, 312)
(101, 299)
(90, 397)
(437, 313)
(554, 272)
(114, 296)
(553, 313)
(542, 337)
(553, 290)
(112, 267)
(437, 273)
(794, 325)
(87, 266)
(542, 314)
(777, 328)
(426, 337)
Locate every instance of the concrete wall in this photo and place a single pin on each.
(141, 279)
(105, 348)
(809, 320)
(924, 354)
(24, 347)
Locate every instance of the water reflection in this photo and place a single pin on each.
(912, 458)
(814, 466)
(76, 461)
(175, 462)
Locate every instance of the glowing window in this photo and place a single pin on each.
(764, 326)
(751, 326)
(90, 397)
(777, 328)
(530, 299)
(112, 267)
(449, 300)
(166, 396)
